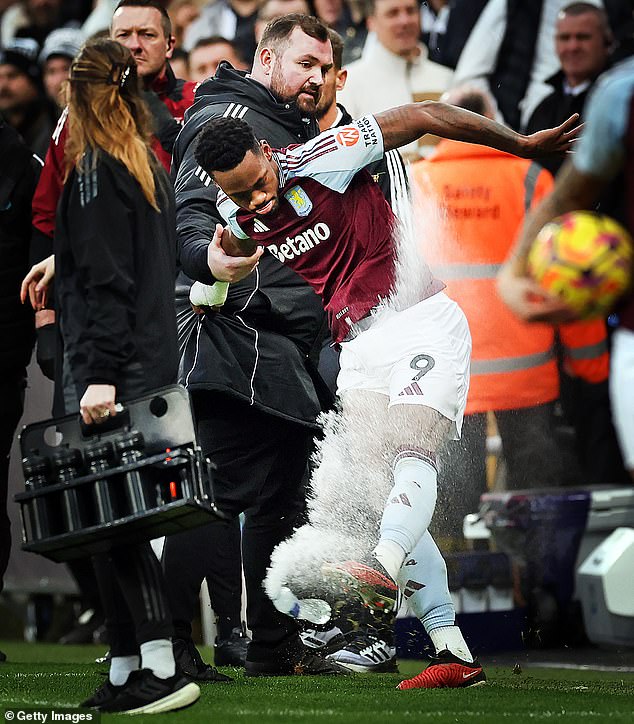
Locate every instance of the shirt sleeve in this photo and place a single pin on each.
(335, 156)
(51, 181)
(229, 212)
(601, 148)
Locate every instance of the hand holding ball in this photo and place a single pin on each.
(585, 259)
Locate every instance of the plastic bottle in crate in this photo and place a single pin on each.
(99, 458)
(130, 447)
(67, 464)
(36, 476)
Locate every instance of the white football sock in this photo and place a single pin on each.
(411, 502)
(121, 667)
(158, 656)
(450, 637)
(390, 555)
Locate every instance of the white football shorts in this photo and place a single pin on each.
(622, 392)
(418, 356)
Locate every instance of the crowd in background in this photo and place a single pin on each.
(550, 403)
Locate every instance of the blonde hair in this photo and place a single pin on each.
(106, 113)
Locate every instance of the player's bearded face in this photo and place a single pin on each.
(305, 94)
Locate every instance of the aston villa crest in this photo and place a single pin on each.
(299, 200)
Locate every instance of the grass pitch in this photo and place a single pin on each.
(61, 676)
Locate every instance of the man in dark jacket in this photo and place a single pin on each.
(583, 41)
(23, 103)
(250, 365)
(18, 176)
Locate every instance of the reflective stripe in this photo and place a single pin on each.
(588, 351)
(467, 271)
(511, 364)
(530, 181)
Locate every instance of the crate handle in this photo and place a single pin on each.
(112, 422)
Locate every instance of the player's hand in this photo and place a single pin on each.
(227, 268)
(525, 297)
(36, 283)
(554, 140)
(98, 404)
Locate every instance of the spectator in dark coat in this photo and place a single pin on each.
(23, 103)
(18, 175)
(583, 41)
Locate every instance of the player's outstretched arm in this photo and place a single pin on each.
(407, 123)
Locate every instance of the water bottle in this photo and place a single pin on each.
(67, 464)
(99, 457)
(36, 472)
(129, 447)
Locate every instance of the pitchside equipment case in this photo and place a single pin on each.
(605, 585)
(549, 533)
(139, 475)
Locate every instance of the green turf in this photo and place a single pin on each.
(62, 675)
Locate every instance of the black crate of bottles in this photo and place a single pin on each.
(138, 476)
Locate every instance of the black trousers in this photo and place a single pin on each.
(261, 461)
(211, 552)
(134, 598)
(12, 386)
(130, 578)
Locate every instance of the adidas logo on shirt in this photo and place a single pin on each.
(260, 227)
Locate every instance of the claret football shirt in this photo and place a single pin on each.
(333, 225)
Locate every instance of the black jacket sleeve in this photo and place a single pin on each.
(196, 213)
(101, 219)
(18, 177)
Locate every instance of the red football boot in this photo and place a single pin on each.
(446, 671)
(373, 585)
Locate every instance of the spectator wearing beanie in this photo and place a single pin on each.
(23, 103)
(60, 47)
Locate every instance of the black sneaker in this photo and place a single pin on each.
(145, 693)
(231, 651)
(190, 662)
(291, 658)
(366, 653)
(3, 657)
(103, 696)
(87, 630)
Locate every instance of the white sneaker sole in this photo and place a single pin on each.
(385, 667)
(176, 700)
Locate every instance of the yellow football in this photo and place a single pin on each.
(585, 259)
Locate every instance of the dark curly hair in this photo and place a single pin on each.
(223, 143)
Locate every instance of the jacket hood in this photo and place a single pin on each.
(234, 86)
